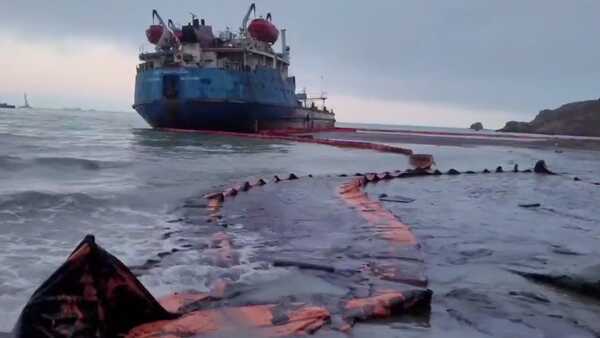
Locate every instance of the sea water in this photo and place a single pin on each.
(64, 174)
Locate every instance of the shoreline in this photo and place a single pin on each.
(392, 140)
(461, 139)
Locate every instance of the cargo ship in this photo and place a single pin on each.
(231, 81)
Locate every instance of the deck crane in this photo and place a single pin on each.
(244, 28)
(172, 26)
(163, 35)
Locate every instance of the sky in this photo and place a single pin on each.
(420, 62)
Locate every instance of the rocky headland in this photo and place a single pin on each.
(576, 118)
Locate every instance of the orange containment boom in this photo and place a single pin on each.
(255, 321)
(94, 295)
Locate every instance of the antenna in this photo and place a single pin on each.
(323, 92)
(321, 83)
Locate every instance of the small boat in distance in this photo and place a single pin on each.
(26, 102)
(6, 105)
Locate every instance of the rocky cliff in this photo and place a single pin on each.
(577, 118)
(477, 126)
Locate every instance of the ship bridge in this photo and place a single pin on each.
(195, 45)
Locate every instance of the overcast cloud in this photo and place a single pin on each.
(424, 62)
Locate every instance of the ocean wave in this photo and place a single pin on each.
(9, 162)
(60, 163)
(30, 201)
(17, 139)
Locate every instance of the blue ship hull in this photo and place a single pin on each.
(218, 99)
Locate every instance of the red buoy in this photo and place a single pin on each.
(263, 30)
(154, 33)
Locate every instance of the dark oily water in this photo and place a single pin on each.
(64, 174)
(476, 236)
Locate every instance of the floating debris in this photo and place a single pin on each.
(530, 205)
(586, 281)
(561, 250)
(529, 296)
(397, 199)
(303, 265)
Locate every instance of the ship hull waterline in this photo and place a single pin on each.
(231, 116)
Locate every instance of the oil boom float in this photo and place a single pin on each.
(197, 80)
